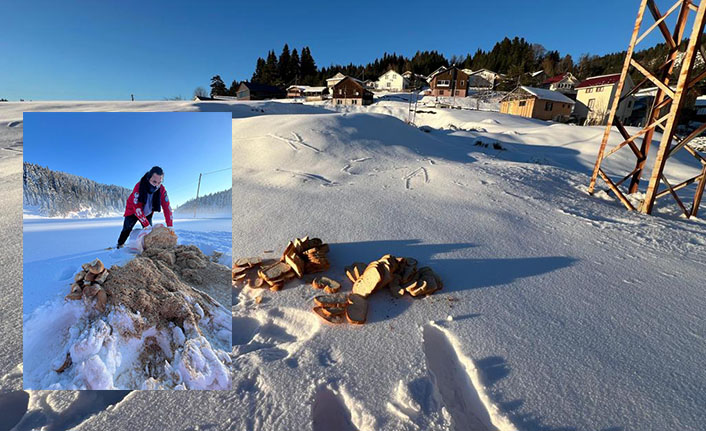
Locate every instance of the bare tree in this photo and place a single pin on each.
(200, 92)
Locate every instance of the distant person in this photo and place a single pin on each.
(148, 196)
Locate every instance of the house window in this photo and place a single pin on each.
(389, 84)
(589, 90)
(523, 102)
(599, 89)
(355, 101)
(629, 103)
(548, 106)
(591, 103)
(340, 91)
(461, 83)
(338, 101)
(443, 83)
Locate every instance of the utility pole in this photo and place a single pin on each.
(196, 202)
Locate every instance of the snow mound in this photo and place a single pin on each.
(159, 331)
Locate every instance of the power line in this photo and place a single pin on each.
(213, 172)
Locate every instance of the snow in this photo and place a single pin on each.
(544, 94)
(54, 250)
(560, 310)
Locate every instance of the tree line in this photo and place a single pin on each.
(515, 58)
(212, 203)
(58, 194)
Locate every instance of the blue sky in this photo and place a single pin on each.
(119, 147)
(107, 50)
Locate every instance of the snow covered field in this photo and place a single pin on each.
(560, 311)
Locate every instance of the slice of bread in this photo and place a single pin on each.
(331, 300)
(357, 310)
(335, 319)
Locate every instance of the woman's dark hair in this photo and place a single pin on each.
(155, 170)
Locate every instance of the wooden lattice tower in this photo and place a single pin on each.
(665, 110)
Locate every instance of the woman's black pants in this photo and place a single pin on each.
(128, 224)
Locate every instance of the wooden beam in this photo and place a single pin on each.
(659, 22)
(616, 190)
(686, 140)
(668, 91)
(699, 192)
(662, 26)
(618, 92)
(677, 104)
(674, 195)
(679, 186)
(637, 152)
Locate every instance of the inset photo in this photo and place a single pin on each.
(127, 231)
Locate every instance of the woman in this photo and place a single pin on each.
(148, 196)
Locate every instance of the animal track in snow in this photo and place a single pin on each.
(293, 142)
(455, 378)
(419, 172)
(329, 412)
(325, 182)
(347, 168)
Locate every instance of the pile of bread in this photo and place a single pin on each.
(301, 256)
(88, 284)
(399, 275)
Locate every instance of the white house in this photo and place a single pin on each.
(335, 79)
(392, 81)
(595, 96)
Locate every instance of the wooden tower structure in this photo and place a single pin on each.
(665, 110)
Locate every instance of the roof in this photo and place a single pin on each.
(336, 77)
(543, 94)
(535, 74)
(301, 87)
(599, 80)
(263, 88)
(314, 89)
(554, 79)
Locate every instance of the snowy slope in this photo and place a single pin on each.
(544, 322)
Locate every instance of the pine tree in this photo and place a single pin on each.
(270, 73)
(233, 90)
(308, 67)
(258, 75)
(294, 67)
(218, 88)
(283, 66)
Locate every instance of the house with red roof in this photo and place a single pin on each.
(594, 98)
(565, 83)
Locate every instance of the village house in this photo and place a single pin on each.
(392, 81)
(594, 97)
(257, 91)
(451, 82)
(537, 103)
(565, 83)
(335, 79)
(438, 70)
(350, 91)
(312, 94)
(296, 91)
